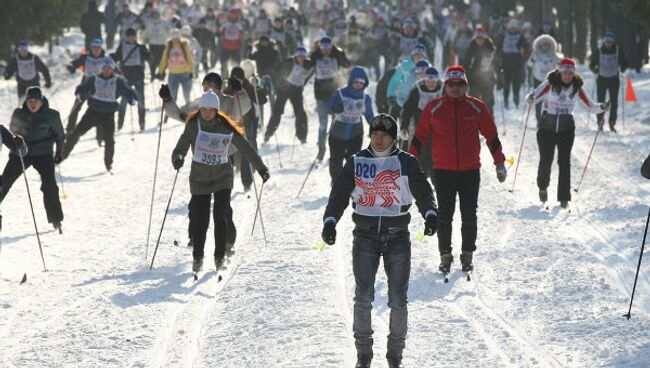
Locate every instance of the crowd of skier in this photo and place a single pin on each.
(424, 124)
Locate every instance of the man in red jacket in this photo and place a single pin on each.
(453, 122)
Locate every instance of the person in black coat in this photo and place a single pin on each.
(131, 57)
(27, 67)
(645, 169)
(91, 23)
(40, 126)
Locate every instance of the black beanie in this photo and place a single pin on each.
(385, 123)
(34, 93)
(213, 79)
(238, 73)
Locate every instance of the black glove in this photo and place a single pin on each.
(70, 68)
(165, 93)
(48, 84)
(235, 84)
(329, 232)
(133, 101)
(265, 175)
(21, 146)
(58, 158)
(430, 224)
(191, 76)
(177, 161)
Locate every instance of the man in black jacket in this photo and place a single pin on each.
(645, 169)
(91, 23)
(381, 180)
(40, 126)
(26, 66)
(131, 57)
(606, 63)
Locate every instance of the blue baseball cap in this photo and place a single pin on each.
(23, 45)
(431, 74)
(325, 42)
(96, 43)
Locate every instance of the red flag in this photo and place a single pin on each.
(630, 96)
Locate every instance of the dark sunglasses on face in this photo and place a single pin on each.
(455, 84)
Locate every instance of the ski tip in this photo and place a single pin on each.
(469, 277)
(219, 278)
(196, 277)
(176, 243)
(24, 279)
(446, 280)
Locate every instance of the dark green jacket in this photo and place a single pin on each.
(40, 129)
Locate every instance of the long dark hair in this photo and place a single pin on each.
(230, 124)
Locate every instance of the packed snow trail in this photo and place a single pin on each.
(549, 288)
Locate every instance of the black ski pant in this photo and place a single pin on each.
(367, 249)
(512, 76)
(138, 86)
(608, 85)
(231, 230)
(90, 120)
(156, 54)
(547, 140)
(294, 95)
(72, 121)
(465, 184)
(199, 208)
(44, 165)
(340, 150)
(225, 56)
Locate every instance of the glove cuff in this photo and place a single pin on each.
(431, 212)
(327, 220)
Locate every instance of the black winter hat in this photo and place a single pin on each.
(34, 93)
(131, 32)
(213, 79)
(384, 123)
(238, 73)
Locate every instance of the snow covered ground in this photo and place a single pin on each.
(549, 288)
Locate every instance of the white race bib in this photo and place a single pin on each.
(608, 64)
(211, 148)
(352, 110)
(425, 97)
(105, 89)
(134, 58)
(93, 66)
(326, 68)
(297, 76)
(380, 188)
(510, 43)
(26, 69)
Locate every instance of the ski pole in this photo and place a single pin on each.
(503, 116)
(521, 148)
(636, 277)
(277, 148)
(132, 131)
(293, 146)
(584, 171)
(155, 174)
(259, 209)
(623, 98)
(31, 206)
(162, 226)
(63, 195)
(307, 177)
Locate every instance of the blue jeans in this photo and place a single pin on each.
(367, 248)
(182, 79)
(139, 90)
(323, 118)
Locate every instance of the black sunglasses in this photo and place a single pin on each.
(455, 84)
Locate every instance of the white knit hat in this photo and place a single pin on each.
(209, 99)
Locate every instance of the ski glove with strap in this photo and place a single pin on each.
(502, 173)
(329, 232)
(431, 224)
(165, 93)
(22, 147)
(265, 175)
(177, 161)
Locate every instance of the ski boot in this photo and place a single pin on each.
(601, 122)
(564, 204)
(218, 263)
(611, 127)
(197, 265)
(363, 361)
(230, 249)
(57, 226)
(321, 153)
(394, 362)
(543, 195)
(466, 261)
(445, 262)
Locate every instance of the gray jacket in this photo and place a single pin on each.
(40, 129)
(206, 179)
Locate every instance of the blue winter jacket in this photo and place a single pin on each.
(346, 130)
(402, 82)
(87, 89)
